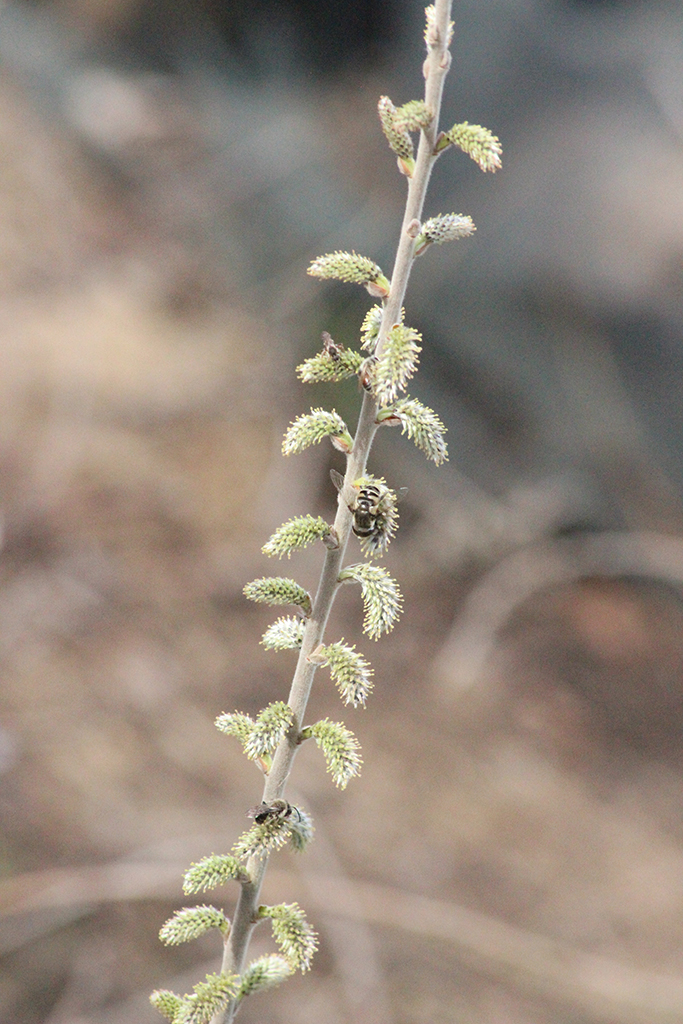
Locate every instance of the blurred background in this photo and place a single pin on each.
(513, 852)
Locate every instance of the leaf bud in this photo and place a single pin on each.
(444, 228)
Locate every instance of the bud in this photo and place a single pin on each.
(406, 165)
(395, 130)
(352, 268)
(413, 116)
(342, 442)
(318, 656)
(379, 288)
(432, 34)
(444, 228)
(479, 143)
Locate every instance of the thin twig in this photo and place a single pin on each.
(435, 69)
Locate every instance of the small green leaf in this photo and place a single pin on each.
(212, 871)
(312, 428)
(293, 934)
(381, 597)
(340, 750)
(275, 590)
(285, 634)
(191, 922)
(264, 973)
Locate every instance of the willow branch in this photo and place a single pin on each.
(435, 70)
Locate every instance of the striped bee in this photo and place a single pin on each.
(278, 810)
(375, 518)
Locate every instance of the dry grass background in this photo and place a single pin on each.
(513, 852)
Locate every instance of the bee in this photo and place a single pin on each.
(279, 810)
(332, 348)
(375, 518)
(365, 373)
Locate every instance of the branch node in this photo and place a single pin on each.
(331, 540)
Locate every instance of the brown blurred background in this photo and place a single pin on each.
(513, 852)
